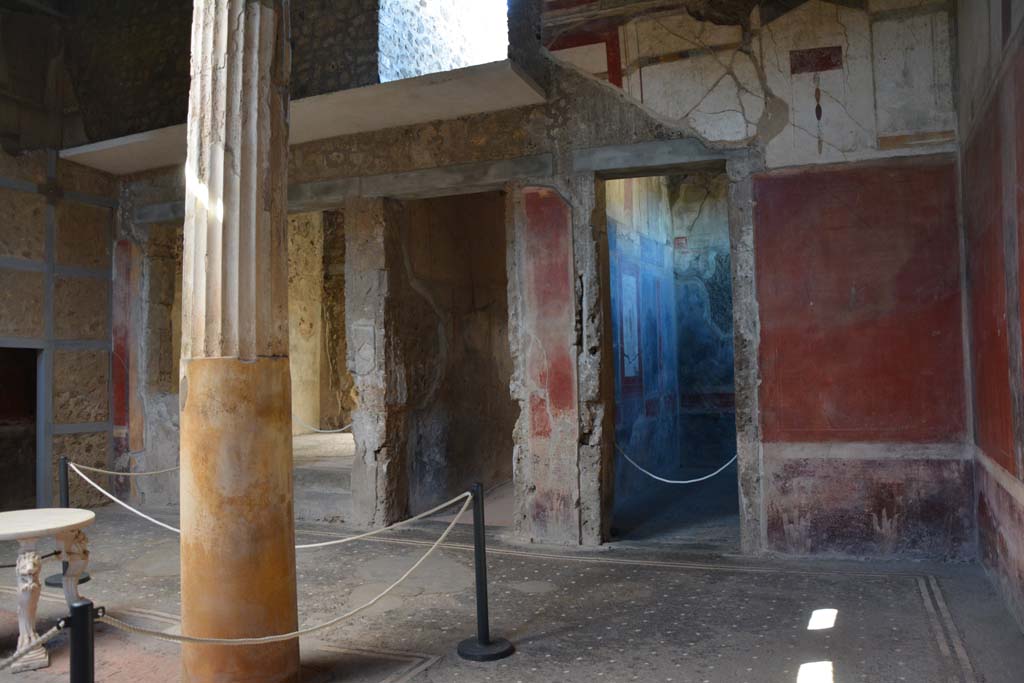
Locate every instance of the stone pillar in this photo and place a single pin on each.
(542, 305)
(380, 484)
(237, 530)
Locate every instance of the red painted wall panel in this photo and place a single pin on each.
(121, 322)
(548, 327)
(1016, 80)
(986, 273)
(858, 283)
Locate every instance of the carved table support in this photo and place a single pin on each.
(28, 566)
(74, 546)
(27, 527)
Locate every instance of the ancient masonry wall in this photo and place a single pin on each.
(55, 298)
(337, 389)
(305, 317)
(812, 86)
(418, 37)
(149, 329)
(992, 184)
(549, 158)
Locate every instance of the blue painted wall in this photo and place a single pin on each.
(671, 298)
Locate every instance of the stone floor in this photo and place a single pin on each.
(620, 613)
(700, 517)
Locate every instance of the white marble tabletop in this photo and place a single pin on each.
(39, 522)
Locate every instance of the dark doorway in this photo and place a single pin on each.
(453, 333)
(671, 300)
(18, 428)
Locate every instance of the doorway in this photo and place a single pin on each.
(451, 325)
(672, 347)
(18, 425)
(323, 395)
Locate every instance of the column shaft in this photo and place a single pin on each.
(237, 525)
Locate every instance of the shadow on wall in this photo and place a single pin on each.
(671, 290)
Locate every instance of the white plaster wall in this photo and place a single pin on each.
(590, 58)
(893, 95)
(847, 126)
(716, 90)
(913, 78)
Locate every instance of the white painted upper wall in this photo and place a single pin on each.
(850, 83)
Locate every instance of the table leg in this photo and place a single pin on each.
(74, 546)
(28, 566)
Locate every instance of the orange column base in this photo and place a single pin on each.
(237, 520)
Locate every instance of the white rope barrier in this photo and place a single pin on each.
(321, 431)
(396, 525)
(41, 640)
(124, 474)
(303, 546)
(160, 635)
(114, 498)
(674, 481)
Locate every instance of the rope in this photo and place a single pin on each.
(396, 525)
(160, 635)
(99, 488)
(674, 481)
(305, 546)
(41, 640)
(125, 474)
(321, 431)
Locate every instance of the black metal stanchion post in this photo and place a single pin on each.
(82, 645)
(57, 580)
(482, 648)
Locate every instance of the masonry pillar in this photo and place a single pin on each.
(237, 533)
(380, 484)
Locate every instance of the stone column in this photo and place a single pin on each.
(237, 533)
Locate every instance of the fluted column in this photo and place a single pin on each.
(237, 533)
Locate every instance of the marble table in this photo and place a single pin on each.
(27, 527)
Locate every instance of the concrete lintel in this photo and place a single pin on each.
(647, 157)
(457, 179)
(477, 89)
(320, 195)
(431, 182)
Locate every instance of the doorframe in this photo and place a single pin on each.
(675, 156)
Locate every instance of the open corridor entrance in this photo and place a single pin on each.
(672, 339)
